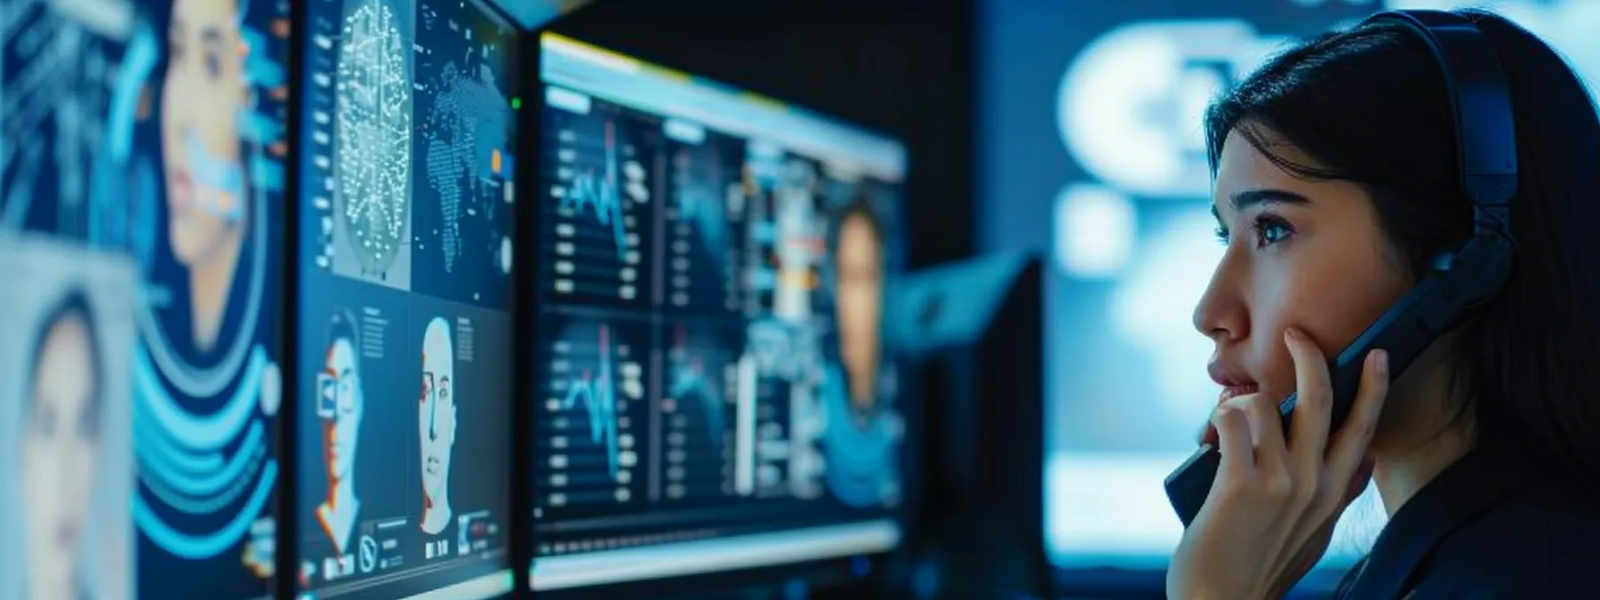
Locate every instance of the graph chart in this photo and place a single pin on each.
(598, 192)
(700, 380)
(597, 224)
(705, 212)
(596, 416)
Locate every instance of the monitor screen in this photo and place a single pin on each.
(713, 391)
(1092, 152)
(67, 312)
(404, 347)
(154, 131)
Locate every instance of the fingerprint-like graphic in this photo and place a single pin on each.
(374, 123)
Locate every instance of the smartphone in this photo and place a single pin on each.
(1440, 302)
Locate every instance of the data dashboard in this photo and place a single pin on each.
(712, 387)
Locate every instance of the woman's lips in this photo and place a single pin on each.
(1232, 391)
(181, 189)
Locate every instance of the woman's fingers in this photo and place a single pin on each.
(1313, 401)
(1349, 445)
(1233, 441)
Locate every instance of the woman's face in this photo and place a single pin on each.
(201, 97)
(1303, 254)
(860, 297)
(61, 436)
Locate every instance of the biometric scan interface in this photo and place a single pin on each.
(151, 132)
(404, 347)
(713, 392)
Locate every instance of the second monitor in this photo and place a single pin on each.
(712, 390)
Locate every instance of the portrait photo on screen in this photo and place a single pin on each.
(67, 472)
(190, 182)
(404, 346)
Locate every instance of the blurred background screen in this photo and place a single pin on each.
(1089, 133)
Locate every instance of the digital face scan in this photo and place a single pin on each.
(436, 424)
(340, 403)
(203, 96)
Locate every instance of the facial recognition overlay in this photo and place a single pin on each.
(714, 392)
(1094, 153)
(67, 476)
(404, 344)
(155, 131)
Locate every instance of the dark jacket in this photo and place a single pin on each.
(1492, 525)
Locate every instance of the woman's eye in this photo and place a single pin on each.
(1271, 231)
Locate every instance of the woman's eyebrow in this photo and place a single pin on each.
(1250, 198)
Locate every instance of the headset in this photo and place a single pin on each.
(1457, 282)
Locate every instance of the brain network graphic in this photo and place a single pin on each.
(374, 133)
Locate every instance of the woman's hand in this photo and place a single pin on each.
(1270, 513)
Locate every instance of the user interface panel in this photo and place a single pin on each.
(404, 347)
(713, 391)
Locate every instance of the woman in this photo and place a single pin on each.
(60, 449)
(1335, 181)
(205, 97)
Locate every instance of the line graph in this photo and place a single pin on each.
(592, 430)
(691, 380)
(602, 192)
(597, 392)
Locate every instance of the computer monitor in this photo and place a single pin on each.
(152, 134)
(711, 388)
(404, 350)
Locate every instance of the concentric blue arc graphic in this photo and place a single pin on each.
(200, 465)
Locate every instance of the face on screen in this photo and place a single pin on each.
(436, 419)
(859, 259)
(201, 98)
(345, 377)
(60, 440)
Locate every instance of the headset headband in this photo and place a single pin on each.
(1486, 137)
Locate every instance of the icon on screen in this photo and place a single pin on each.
(369, 554)
(327, 395)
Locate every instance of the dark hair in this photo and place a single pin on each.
(860, 208)
(1369, 106)
(73, 304)
(343, 327)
